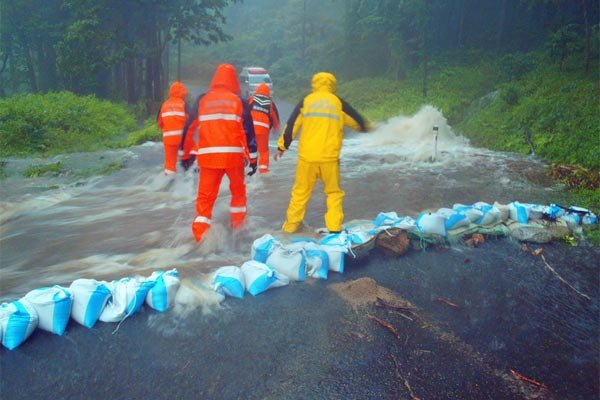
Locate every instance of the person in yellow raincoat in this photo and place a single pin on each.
(322, 116)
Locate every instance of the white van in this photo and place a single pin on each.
(251, 77)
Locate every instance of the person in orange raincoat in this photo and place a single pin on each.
(265, 117)
(171, 120)
(225, 142)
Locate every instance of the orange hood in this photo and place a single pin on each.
(263, 89)
(225, 78)
(177, 90)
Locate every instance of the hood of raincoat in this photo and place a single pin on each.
(226, 78)
(323, 81)
(177, 90)
(263, 89)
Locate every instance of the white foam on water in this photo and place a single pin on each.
(410, 138)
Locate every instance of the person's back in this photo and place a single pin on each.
(226, 139)
(322, 116)
(265, 117)
(171, 120)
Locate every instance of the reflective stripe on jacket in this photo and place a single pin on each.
(172, 115)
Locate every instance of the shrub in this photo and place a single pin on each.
(59, 122)
(149, 133)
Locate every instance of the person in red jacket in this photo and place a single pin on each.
(265, 117)
(171, 120)
(225, 142)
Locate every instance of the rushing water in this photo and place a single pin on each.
(134, 221)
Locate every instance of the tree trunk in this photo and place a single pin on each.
(587, 35)
(31, 71)
(131, 81)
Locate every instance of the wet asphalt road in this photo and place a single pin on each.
(306, 342)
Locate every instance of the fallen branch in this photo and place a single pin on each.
(382, 303)
(528, 380)
(406, 384)
(386, 325)
(561, 278)
(447, 302)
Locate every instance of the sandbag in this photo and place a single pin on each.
(472, 213)
(336, 245)
(53, 307)
(262, 247)
(518, 212)
(504, 211)
(259, 277)
(393, 242)
(229, 281)
(89, 299)
(18, 319)
(490, 214)
(538, 231)
(317, 260)
(162, 295)
(535, 211)
(431, 223)
(288, 260)
(453, 218)
(392, 219)
(127, 297)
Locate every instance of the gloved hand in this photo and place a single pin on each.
(253, 165)
(188, 162)
(278, 154)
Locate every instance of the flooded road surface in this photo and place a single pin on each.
(513, 313)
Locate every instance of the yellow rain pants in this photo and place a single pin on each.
(306, 176)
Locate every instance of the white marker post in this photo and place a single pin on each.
(435, 132)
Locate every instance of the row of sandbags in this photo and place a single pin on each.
(275, 263)
(444, 220)
(85, 301)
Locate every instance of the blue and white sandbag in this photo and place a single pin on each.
(589, 219)
(431, 223)
(89, 299)
(454, 219)
(472, 213)
(393, 220)
(128, 296)
(490, 214)
(259, 277)
(571, 219)
(518, 212)
(262, 247)
(162, 295)
(53, 307)
(317, 260)
(361, 233)
(535, 211)
(289, 260)
(229, 281)
(552, 212)
(337, 246)
(18, 319)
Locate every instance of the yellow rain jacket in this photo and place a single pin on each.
(321, 117)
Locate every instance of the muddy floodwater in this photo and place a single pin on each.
(471, 315)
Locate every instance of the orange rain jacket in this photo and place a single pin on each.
(264, 112)
(225, 129)
(173, 115)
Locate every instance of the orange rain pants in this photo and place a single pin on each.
(208, 190)
(262, 142)
(171, 158)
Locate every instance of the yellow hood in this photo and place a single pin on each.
(323, 81)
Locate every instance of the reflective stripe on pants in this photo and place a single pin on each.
(306, 176)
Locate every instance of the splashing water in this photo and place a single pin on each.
(136, 221)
